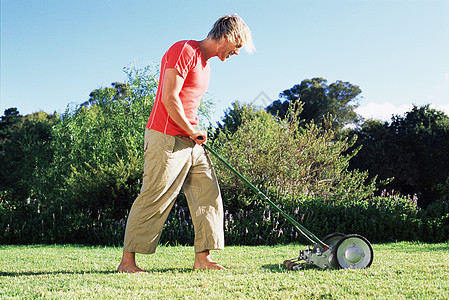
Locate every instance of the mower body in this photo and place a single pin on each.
(350, 251)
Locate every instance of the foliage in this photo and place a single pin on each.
(380, 219)
(99, 145)
(234, 117)
(412, 148)
(443, 189)
(71, 178)
(26, 152)
(8, 124)
(332, 104)
(436, 218)
(283, 159)
(388, 217)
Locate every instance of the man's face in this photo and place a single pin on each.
(227, 49)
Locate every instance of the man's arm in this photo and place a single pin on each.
(172, 86)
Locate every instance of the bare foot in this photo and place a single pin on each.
(123, 268)
(203, 261)
(128, 264)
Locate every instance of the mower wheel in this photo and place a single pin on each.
(332, 238)
(353, 251)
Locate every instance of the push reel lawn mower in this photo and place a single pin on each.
(334, 251)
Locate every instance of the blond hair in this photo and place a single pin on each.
(233, 29)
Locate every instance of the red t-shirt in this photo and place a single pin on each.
(186, 57)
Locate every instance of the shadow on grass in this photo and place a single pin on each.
(277, 268)
(38, 273)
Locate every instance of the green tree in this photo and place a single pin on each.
(412, 149)
(9, 124)
(333, 104)
(286, 160)
(10, 118)
(26, 152)
(73, 177)
(233, 118)
(100, 144)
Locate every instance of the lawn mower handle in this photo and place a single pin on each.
(298, 226)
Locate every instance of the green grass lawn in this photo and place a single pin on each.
(399, 270)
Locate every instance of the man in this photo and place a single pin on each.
(174, 158)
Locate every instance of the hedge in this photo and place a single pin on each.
(379, 219)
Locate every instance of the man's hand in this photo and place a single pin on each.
(199, 136)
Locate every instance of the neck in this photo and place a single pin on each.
(208, 48)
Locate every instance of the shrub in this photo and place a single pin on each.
(379, 219)
(283, 159)
(436, 222)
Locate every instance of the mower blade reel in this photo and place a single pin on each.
(291, 265)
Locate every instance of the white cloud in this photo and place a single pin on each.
(444, 108)
(384, 111)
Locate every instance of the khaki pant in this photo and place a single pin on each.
(172, 163)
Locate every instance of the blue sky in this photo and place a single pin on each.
(56, 52)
